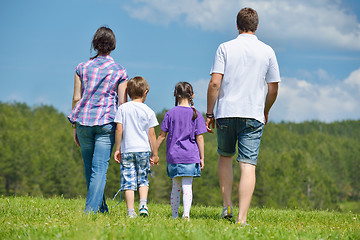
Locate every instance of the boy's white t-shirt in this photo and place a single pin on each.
(137, 118)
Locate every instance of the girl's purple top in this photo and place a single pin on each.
(181, 146)
(100, 78)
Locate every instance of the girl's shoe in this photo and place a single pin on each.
(131, 214)
(187, 218)
(227, 212)
(143, 211)
(242, 224)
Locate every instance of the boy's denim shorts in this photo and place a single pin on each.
(244, 131)
(134, 168)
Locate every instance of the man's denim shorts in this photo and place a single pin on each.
(246, 132)
(134, 168)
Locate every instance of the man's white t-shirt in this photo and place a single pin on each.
(247, 65)
(137, 118)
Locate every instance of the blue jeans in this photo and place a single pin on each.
(96, 145)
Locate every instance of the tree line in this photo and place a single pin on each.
(309, 165)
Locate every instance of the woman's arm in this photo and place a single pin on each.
(122, 92)
(76, 98)
(200, 143)
(77, 91)
(118, 137)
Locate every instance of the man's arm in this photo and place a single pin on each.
(212, 95)
(270, 98)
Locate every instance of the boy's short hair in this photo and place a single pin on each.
(247, 20)
(136, 87)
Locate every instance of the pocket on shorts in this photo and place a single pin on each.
(222, 123)
(254, 127)
(254, 124)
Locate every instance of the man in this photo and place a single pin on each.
(241, 70)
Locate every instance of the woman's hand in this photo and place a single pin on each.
(76, 138)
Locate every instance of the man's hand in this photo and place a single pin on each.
(210, 123)
(270, 98)
(266, 114)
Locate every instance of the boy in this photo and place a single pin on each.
(135, 130)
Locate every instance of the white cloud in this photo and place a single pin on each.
(299, 100)
(322, 23)
(354, 80)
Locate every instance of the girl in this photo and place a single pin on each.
(100, 86)
(184, 146)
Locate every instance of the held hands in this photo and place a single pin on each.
(117, 156)
(154, 160)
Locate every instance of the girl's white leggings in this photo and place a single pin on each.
(184, 183)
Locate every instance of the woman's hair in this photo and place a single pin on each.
(136, 87)
(184, 90)
(247, 20)
(103, 42)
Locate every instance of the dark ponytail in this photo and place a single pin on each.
(185, 90)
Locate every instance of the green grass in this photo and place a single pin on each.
(59, 218)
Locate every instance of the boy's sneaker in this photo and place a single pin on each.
(143, 211)
(227, 212)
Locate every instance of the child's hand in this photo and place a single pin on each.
(154, 160)
(117, 156)
(202, 163)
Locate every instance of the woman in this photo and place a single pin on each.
(100, 86)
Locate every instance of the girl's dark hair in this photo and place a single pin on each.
(103, 42)
(184, 90)
(247, 20)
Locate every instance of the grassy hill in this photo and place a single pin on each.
(59, 218)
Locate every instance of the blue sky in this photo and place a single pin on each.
(317, 43)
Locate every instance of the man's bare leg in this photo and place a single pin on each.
(246, 190)
(225, 174)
